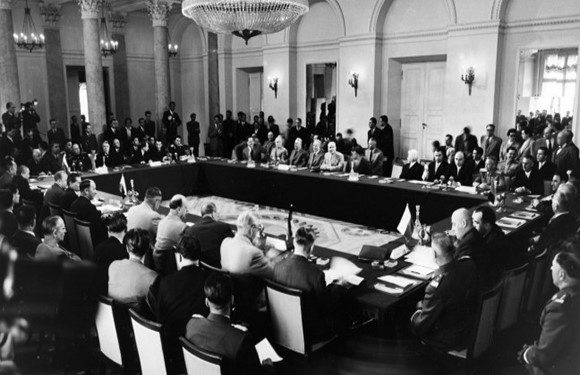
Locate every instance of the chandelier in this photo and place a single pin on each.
(244, 18)
(173, 48)
(108, 45)
(28, 39)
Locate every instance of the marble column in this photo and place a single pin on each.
(54, 65)
(9, 83)
(120, 75)
(213, 81)
(90, 14)
(159, 12)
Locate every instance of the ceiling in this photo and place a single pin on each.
(120, 6)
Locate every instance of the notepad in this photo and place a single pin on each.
(417, 271)
(525, 215)
(266, 351)
(387, 289)
(399, 281)
(510, 222)
(422, 256)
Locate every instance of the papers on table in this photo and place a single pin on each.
(342, 269)
(417, 271)
(525, 215)
(276, 243)
(419, 182)
(510, 223)
(466, 189)
(422, 256)
(266, 351)
(400, 281)
(105, 208)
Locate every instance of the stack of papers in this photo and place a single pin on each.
(422, 256)
(107, 208)
(400, 281)
(417, 271)
(510, 223)
(342, 269)
(526, 215)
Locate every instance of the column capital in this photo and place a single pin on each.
(90, 8)
(6, 4)
(159, 11)
(50, 14)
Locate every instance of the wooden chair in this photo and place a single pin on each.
(397, 169)
(538, 272)
(198, 361)
(71, 230)
(107, 333)
(148, 337)
(85, 240)
(482, 336)
(286, 307)
(54, 209)
(511, 297)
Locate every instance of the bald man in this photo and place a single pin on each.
(298, 157)
(170, 229)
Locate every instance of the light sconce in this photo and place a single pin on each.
(468, 78)
(352, 78)
(273, 84)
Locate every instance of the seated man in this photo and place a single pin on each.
(216, 333)
(145, 215)
(53, 231)
(24, 240)
(461, 171)
(510, 166)
(252, 151)
(111, 249)
(86, 211)
(129, 279)
(491, 179)
(496, 242)
(298, 157)
(333, 160)
(72, 191)
(527, 180)
(316, 156)
(7, 218)
(9, 174)
(556, 350)
(412, 170)
(321, 320)
(22, 183)
(445, 316)
(106, 157)
(279, 155)
(210, 234)
(358, 163)
(55, 193)
(375, 157)
(437, 168)
(78, 161)
(177, 148)
(168, 233)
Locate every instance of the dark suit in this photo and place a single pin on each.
(50, 163)
(56, 135)
(503, 256)
(255, 154)
(105, 159)
(464, 176)
(53, 195)
(264, 130)
(216, 334)
(491, 146)
(547, 171)
(315, 160)
(566, 158)
(9, 223)
(558, 229)
(216, 140)
(193, 131)
(25, 243)
(171, 121)
(6, 179)
(8, 147)
(412, 173)
(436, 174)
(89, 142)
(294, 133)
(67, 199)
(472, 246)
(106, 253)
(298, 158)
(534, 183)
(23, 187)
(471, 143)
(86, 211)
(376, 159)
(150, 128)
(210, 234)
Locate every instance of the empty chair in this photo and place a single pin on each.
(54, 209)
(198, 361)
(286, 306)
(71, 230)
(538, 272)
(511, 297)
(148, 337)
(107, 332)
(84, 238)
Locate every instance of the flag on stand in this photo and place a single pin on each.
(405, 226)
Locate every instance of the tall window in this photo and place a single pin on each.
(560, 69)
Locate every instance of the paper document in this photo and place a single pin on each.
(510, 222)
(417, 271)
(466, 189)
(109, 208)
(399, 281)
(416, 182)
(341, 268)
(525, 215)
(266, 351)
(387, 289)
(277, 243)
(422, 256)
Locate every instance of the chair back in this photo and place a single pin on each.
(537, 275)
(511, 297)
(85, 240)
(547, 187)
(485, 319)
(198, 361)
(148, 337)
(71, 230)
(285, 309)
(107, 331)
(397, 169)
(54, 209)
(211, 268)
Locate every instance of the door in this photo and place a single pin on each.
(422, 107)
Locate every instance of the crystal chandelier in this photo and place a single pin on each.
(108, 45)
(29, 39)
(244, 18)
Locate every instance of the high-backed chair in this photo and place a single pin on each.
(85, 240)
(107, 332)
(198, 361)
(286, 307)
(148, 337)
(538, 272)
(511, 297)
(54, 209)
(397, 169)
(71, 230)
(482, 336)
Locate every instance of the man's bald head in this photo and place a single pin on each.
(461, 222)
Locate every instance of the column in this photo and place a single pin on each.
(90, 14)
(54, 64)
(159, 12)
(120, 75)
(213, 81)
(9, 84)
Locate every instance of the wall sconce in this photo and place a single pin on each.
(469, 78)
(352, 78)
(273, 84)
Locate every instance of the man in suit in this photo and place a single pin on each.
(171, 121)
(7, 218)
(71, 193)
(252, 151)
(149, 124)
(106, 157)
(465, 141)
(358, 163)
(511, 142)
(299, 131)
(11, 119)
(298, 157)
(548, 141)
(8, 176)
(9, 145)
(24, 240)
(230, 134)
(89, 140)
(216, 333)
(527, 179)
(321, 319)
(52, 160)
(527, 146)
(566, 155)
(510, 165)
(502, 255)
(55, 134)
(55, 193)
(193, 131)
(491, 143)
(437, 168)
(145, 215)
(113, 132)
(444, 317)
(78, 160)
(316, 157)
(461, 171)
(387, 145)
(333, 160)
(22, 183)
(413, 170)
(544, 166)
(210, 234)
(215, 134)
(111, 249)
(490, 179)
(86, 211)
(556, 350)
(375, 157)
(374, 131)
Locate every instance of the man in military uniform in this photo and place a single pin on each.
(444, 317)
(557, 351)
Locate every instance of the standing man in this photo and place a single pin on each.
(55, 134)
(299, 131)
(193, 131)
(490, 143)
(387, 145)
(465, 141)
(375, 157)
(216, 137)
(149, 125)
(86, 210)
(171, 121)
(230, 136)
(10, 119)
(566, 156)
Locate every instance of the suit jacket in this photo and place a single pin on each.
(363, 167)
(333, 162)
(23, 187)
(171, 121)
(279, 155)
(240, 256)
(527, 148)
(295, 133)
(144, 217)
(216, 334)
(504, 148)
(255, 154)
(210, 234)
(315, 160)
(51, 164)
(436, 174)
(471, 142)
(25, 243)
(376, 159)
(502, 255)
(129, 281)
(534, 183)
(472, 246)
(387, 144)
(558, 229)
(566, 158)
(547, 171)
(543, 142)
(493, 148)
(57, 136)
(412, 173)
(464, 176)
(106, 253)
(86, 211)
(150, 128)
(53, 195)
(67, 199)
(298, 158)
(9, 224)
(6, 179)
(89, 142)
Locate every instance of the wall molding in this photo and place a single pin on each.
(543, 22)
